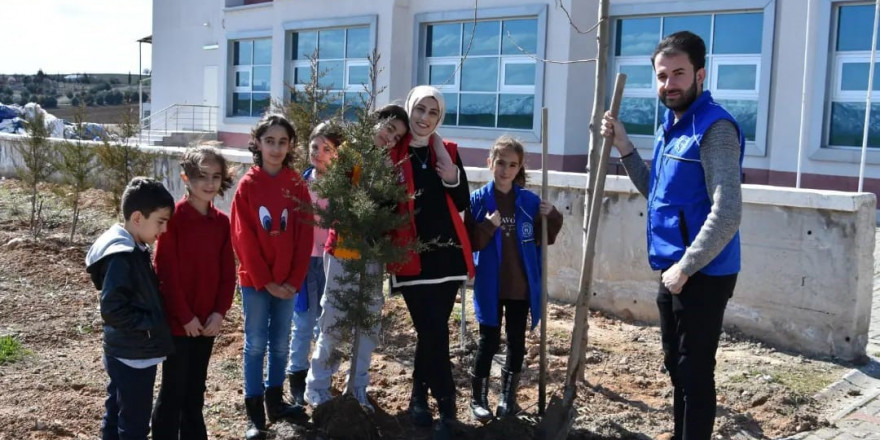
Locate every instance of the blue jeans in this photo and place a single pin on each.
(129, 401)
(305, 323)
(266, 324)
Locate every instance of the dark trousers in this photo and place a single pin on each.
(430, 306)
(516, 314)
(129, 399)
(178, 411)
(690, 326)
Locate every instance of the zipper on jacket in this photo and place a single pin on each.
(683, 227)
(149, 336)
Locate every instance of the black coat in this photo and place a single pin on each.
(131, 307)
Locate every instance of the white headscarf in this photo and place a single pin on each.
(416, 95)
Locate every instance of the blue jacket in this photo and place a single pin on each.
(678, 201)
(301, 302)
(488, 260)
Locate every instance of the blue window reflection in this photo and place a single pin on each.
(737, 76)
(331, 43)
(262, 75)
(304, 44)
(524, 34)
(698, 24)
(848, 124)
(738, 33)
(302, 75)
(333, 72)
(358, 75)
(263, 51)
(241, 104)
(444, 40)
(516, 111)
(637, 36)
(451, 117)
(477, 110)
(638, 76)
(854, 27)
(441, 74)
(637, 115)
(357, 44)
(485, 38)
(519, 74)
(260, 104)
(854, 76)
(242, 52)
(479, 74)
(746, 114)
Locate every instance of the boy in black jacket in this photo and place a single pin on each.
(136, 336)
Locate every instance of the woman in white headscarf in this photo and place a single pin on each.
(429, 280)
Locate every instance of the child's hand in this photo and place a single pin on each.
(447, 170)
(546, 208)
(290, 289)
(193, 328)
(494, 218)
(213, 324)
(278, 291)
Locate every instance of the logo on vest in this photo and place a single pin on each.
(682, 144)
(528, 231)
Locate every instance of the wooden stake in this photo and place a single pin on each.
(542, 377)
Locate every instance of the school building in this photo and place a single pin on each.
(233, 57)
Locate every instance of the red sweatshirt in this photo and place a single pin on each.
(195, 265)
(272, 231)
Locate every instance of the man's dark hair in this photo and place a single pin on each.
(683, 42)
(145, 195)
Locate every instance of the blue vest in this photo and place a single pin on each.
(301, 302)
(487, 261)
(678, 202)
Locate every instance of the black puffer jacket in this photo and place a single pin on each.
(131, 307)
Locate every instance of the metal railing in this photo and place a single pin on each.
(179, 118)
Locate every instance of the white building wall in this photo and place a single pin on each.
(179, 59)
(182, 29)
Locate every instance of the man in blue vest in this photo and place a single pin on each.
(694, 209)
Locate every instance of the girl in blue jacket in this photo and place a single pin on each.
(504, 226)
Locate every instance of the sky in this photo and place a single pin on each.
(74, 36)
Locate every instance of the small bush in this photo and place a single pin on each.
(11, 350)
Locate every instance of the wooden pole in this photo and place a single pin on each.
(560, 414)
(601, 79)
(542, 377)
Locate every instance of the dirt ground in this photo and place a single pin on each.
(105, 114)
(57, 390)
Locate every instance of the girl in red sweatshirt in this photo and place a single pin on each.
(272, 236)
(196, 272)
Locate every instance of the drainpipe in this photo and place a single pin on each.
(802, 135)
(868, 97)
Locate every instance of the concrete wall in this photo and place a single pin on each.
(807, 256)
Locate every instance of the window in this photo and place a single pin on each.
(341, 54)
(733, 65)
(252, 72)
(486, 71)
(851, 49)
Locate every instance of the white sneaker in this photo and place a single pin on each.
(360, 393)
(316, 397)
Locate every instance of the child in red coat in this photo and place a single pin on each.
(196, 271)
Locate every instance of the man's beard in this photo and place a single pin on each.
(684, 99)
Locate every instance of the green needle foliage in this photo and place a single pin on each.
(363, 190)
(76, 163)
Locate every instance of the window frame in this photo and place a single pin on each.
(834, 92)
(618, 11)
(290, 65)
(232, 69)
(422, 65)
